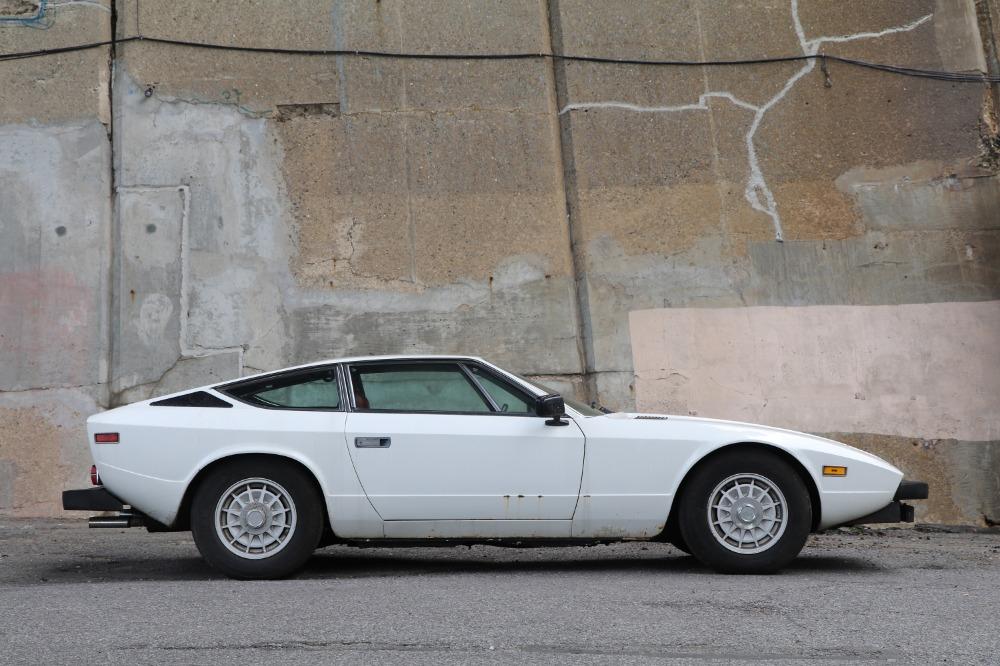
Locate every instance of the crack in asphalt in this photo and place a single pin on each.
(652, 651)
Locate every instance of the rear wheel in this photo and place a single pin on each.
(256, 518)
(745, 512)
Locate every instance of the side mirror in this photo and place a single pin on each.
(552, 407)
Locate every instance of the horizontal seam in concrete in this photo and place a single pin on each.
(51, 387)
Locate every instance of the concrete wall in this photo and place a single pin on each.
(171, 216)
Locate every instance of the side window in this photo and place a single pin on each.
(423, 387)
(312, 390)
(507, 398)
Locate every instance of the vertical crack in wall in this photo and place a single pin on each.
(757, 192)
(567, 164)
(112, 314)
(988, 20)
(404, 107)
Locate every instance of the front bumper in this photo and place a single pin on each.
(896, 511)
(911, 490)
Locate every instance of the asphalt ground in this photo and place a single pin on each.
(73, 595)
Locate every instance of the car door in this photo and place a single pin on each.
(430, 443)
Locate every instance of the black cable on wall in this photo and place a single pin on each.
(957, 77)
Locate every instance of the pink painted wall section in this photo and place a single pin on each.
(925, 370)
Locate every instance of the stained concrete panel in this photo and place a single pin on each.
(288, 24)
(926, 370)
(868, 119)
(873, 269)
(59, 87)
(252, 83)
(54, 220)
(519, 319)
(150, 290)
(877, 268)
(433, 26)
(238, 243)
(255, 83)
(927, 196)
(185, 373)
(43, 448)
(430, 26)
(442, 86)
(395, 200)
(643, 29)
(955, 39)
(963, 478)
(831, 17)
(296, 228)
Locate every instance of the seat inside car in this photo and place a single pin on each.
(360, 401)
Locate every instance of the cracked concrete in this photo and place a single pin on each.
(756, 192)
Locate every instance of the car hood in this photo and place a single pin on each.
(748, 432)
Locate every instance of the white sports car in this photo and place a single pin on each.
(442, 449)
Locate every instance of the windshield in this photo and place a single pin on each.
(585, 410)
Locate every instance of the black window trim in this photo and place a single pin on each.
(290, 374)
(188, 400)
(461, 362)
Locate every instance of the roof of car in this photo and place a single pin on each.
(391, 357)
(357, 359)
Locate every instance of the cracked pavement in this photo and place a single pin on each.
(126, 596)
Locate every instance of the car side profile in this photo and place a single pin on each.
(403, 450)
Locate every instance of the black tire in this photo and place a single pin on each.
(672, 534)
(295, 541)
(699, 534)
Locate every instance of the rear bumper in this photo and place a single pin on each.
(90, 499)
(99, 499)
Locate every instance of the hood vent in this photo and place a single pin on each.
(650, 417)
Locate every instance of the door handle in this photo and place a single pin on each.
(372, 442)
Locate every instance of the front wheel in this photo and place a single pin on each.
(745, 512)
(256, 518)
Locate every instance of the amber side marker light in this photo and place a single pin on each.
(834, 470)
(105, 437)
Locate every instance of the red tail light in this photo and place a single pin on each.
(95, 478)
(106, 438)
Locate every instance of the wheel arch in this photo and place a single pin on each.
(795, 463)
(183, 519)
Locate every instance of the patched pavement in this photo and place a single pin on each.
(72, 595)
